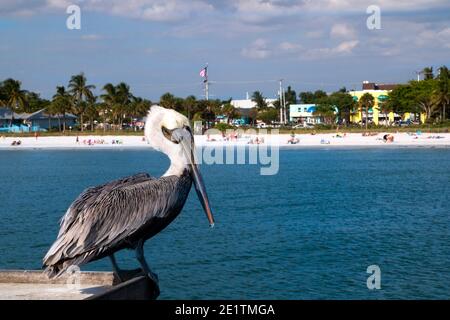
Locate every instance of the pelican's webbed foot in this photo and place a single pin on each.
(146, 269)
(120, 275)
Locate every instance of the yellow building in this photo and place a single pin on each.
(380, 94)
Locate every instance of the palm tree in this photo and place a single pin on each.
(139, 107)
(15, 98)
(124, 97)
(91, 110)
(229, 111)
(442, 93)
(168, 101)
(258, 98)
(80, 91)
(385, 109)
(190, 104)
(61, 104)
(428, 73)
(366, 102)
(110, 99)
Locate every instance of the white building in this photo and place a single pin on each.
(248, 103)
(303, 113)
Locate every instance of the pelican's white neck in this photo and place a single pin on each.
(176, 168)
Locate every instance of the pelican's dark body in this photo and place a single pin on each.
(116, 216)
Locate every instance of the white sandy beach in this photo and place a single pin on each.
(306, 140)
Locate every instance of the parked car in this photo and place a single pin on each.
(303, 126)
(261, 125)
(403, 123)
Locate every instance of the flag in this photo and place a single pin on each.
(203, 73)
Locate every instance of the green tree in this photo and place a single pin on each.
(306, 97)
(268, 115)
(80, 90)
(189, 106)
(61, 104)
(35, 102)
(140, 107)
(291, 96)
(14, 97)
(253, 114)
(229, 111)
(259, 99)
(92, 110)
(421, 97)
(344, 102)
(318, 95)
(325, 110)
(168, 101)
(442, 92)
(110, 103)
(124, 97)
(428, 73)
(366, 102)
(385, 108)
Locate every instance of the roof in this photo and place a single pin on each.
(311, 107)
(42, 114)
(5, 114)
(376, 86)
(249, 103)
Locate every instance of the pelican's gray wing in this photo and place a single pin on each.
(103, 217)
(88, 196)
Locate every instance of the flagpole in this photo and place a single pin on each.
(206, 84)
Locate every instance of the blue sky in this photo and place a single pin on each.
(158, 46)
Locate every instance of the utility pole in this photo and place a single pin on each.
(206, 81)
(281, 100)
(418, 74)
(284, 107)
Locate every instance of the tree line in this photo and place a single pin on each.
(116, 105)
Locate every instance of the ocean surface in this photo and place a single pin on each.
(309, 232)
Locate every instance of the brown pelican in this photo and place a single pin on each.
(123, 214)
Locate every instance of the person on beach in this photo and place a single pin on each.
(77, 141)
(388, 138)
(293, 139)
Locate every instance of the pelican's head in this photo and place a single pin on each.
(170, 132)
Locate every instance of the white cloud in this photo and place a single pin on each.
(290, 47)
(345, 47)
(342, 49)
(342, 30)
(249, 10)
(154, 10)
(431, 37)
(258, 49)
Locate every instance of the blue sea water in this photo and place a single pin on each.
(309, 232)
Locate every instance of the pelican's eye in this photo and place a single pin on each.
(168, 134)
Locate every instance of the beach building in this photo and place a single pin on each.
(380, 93)
(243, 119)
(247, 103)
(37, 121)
(303, 113)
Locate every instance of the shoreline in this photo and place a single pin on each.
(326, 140)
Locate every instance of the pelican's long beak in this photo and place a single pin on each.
(186, 140)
